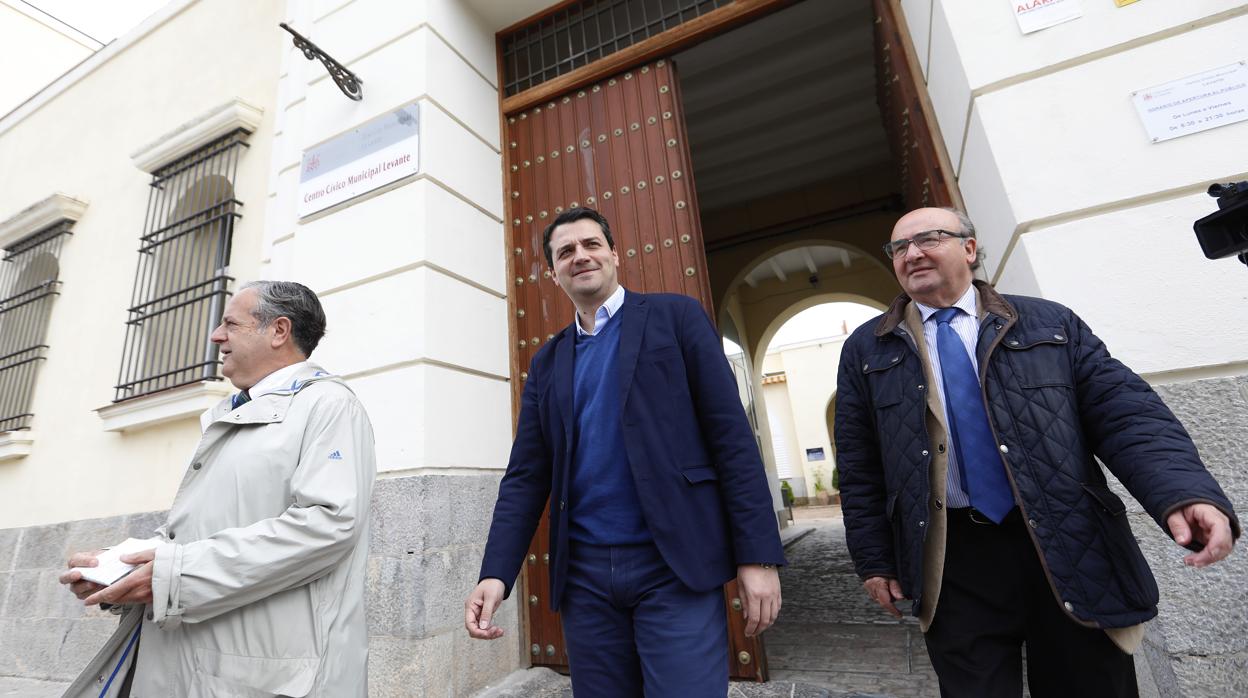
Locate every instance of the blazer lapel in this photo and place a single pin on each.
(563, 382)
(633, 317)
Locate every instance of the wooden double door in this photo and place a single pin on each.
(619, 145)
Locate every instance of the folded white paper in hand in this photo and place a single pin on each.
(111, 568)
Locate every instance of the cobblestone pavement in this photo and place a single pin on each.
(829, 634)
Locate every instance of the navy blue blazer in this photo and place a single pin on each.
(692, 453)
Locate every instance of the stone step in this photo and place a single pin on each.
(540, 682)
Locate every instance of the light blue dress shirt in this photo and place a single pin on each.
(966, 326)
(605, 312)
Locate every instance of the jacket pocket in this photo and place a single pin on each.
(220, 674)
(701, 473)
(1126, 563)
(1111, 503)
(208, 686)
(669, 352)
(1038, 357)
(883, 382)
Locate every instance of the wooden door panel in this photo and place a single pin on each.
(926, 177)
(747, 657)
(618, 146)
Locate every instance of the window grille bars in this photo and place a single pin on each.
(585, 31)
(182, 282)
(29, 280)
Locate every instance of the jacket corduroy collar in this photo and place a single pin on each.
(992, 301)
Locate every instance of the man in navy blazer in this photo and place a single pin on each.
(631, 425)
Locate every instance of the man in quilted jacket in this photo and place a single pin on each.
(968, 428)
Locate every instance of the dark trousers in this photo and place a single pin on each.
(633, 628)
(995, 598)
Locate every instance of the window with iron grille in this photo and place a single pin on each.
(28, 283)
(182, 281)
(584, 31)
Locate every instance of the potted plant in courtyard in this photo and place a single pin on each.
(822, 496)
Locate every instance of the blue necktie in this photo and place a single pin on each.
(241, 398)
(983, 471)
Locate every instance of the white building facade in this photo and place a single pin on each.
(25, 32)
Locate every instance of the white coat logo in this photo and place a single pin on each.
(335, 456)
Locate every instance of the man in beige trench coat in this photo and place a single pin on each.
(257, 585)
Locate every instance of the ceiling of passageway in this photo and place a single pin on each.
(801, 263)
(782, 102)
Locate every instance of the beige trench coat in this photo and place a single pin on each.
(258, 589)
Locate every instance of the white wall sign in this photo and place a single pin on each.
(1195, 103)
(374, 154)
(1034, 15)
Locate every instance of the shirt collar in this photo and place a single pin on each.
(276, 380)
(966, 303)
(604, 313)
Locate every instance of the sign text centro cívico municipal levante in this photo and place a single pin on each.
(372, 155)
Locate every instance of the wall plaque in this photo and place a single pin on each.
(1196, 103)
(375, 153)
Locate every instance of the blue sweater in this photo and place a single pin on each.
(605, 509)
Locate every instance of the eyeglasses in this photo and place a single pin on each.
(926, 240)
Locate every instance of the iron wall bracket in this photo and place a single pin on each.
(347, 81)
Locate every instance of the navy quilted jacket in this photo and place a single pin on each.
(1057, 401)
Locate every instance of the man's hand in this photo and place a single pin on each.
(73, 578)
(480, 607)
(1206, 525)
(135, 587)
(885, 591)
(760, 596)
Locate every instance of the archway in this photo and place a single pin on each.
(799, 306)
(775, 282)
(795, 378)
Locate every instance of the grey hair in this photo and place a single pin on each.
(964, 220)
(968, 229)
(295, 302)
